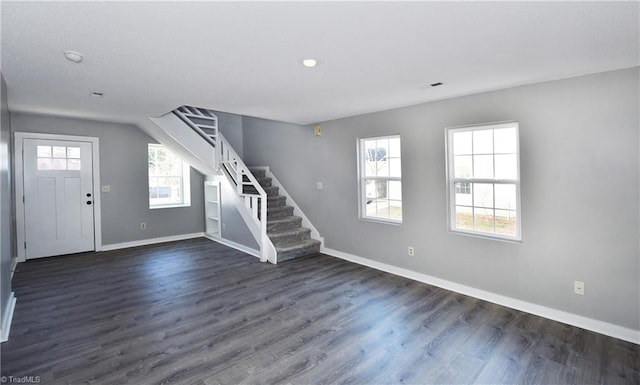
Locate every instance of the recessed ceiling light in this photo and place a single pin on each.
(75, 57)
(310, 63)
(96, 94)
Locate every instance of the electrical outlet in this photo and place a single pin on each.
(578, 287)
(106, 188)
(143, 226)
(411, 251)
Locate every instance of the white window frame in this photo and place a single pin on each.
(185, 182)
(452, 180)
(362, 178)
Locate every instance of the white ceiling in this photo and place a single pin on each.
(241, 57)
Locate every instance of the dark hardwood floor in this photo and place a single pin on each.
(197, 312)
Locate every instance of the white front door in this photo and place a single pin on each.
(58, 197)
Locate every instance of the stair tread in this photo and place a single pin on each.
(288, 232)
(297, 244)
(291, 218)
(278, 208)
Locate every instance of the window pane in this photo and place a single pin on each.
(483, 220)
(395, 190)
(464, 218)
(506, 222)
(371, 155)
(483, 166)
(462, 143)
(463, 166)
(505, 196)
(382, 209)
(484, 158)
(371, 189)
(463, 194)
(382, 146)
(44, 151)
(168, 178)
(45, 164)
(381, 160)
(483, 142)
(394, 147)
(382, 167)
(483, 195)
(73, 164)
(59, 152)
(59, 164)
(505, 140)
(395, 168)
(73, 152)
(506, 166)
(395, 210)
(370, 208)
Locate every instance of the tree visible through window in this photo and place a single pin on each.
(484, 180)
(169, 184)
(381, 179)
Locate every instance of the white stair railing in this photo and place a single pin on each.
(205, 123)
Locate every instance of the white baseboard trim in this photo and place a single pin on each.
(152, 241)
(234, 245)
(591, 324)
(7, 317)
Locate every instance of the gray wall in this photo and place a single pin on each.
(124, 166)
(580, 191)
(234, 227)
(230, 125)
(7, 243)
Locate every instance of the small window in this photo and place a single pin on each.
(169, 184)
(58, 158)
(483, 174)
(380, 179)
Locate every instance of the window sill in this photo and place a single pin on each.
(486, 236)
(170, 206)
(381, 221)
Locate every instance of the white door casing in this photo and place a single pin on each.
(57, 195)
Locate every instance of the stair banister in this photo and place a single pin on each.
(256, 203)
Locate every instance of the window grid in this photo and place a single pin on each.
(479, 215)
(380, 161)
(168, 179)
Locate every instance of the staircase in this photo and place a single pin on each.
(260, 199)
(284, 229)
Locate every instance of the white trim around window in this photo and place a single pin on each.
(380, 179)
(483, 180)
(169, 179)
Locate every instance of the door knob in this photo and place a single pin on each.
(88, 202)
(88, 195)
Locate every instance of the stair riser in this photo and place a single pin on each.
(310, 250)
(276, 201)
(299, 236)
(264, 182)
(277, 227)
(258, 173)
(280, 213)
(271, 191)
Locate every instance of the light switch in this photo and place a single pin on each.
(319, 185)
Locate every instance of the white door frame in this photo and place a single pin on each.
(19, 183)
